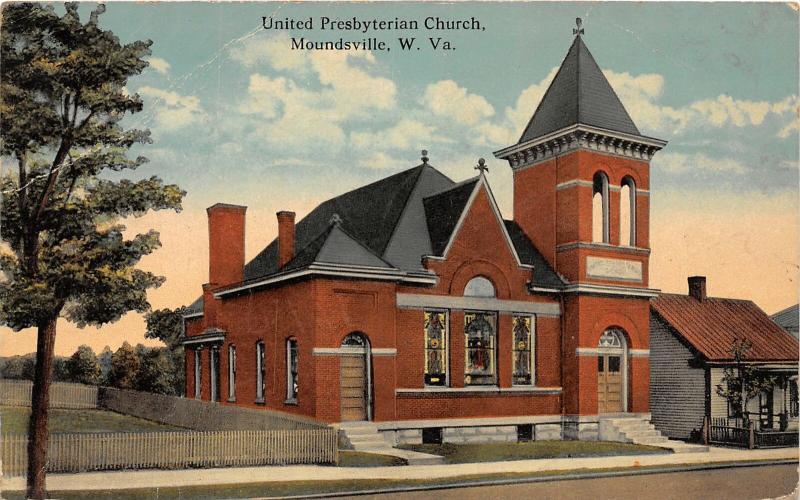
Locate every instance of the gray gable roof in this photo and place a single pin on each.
(369, 214)
(443, 210)
(390, 223)
(579, 94)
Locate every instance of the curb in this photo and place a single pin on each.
(543, 479)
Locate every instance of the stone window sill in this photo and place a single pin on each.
(259, 401)
(292, 402)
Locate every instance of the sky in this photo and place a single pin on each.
(237, 116)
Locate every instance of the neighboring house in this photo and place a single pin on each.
(413, 303)
(788, 319)
(691, 338)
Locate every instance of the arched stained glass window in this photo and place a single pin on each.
(610, 339)
(479, 287)
(480, 339)
(523, 350)
(436, 348)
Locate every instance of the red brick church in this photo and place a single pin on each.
(411, 302)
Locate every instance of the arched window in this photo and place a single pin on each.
(479, 287)
(600, 208)
(231, 373)
(291, 370)
(260, 372)
(627, 213)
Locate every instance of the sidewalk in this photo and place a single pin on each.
(201, 477)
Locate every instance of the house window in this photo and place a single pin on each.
(260, 386)
(197, 382)
(231, 373)
(793, 403)
(214, 362)
(600, 208)
(291, 370)
(522, 350)
(435, 348)
(627, 213)
(480, 340)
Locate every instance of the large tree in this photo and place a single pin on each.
(62, 100)
(743, 381)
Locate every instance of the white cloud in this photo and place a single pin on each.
(160, 65)
(172, 110)
(447, 99)
(379, 161)
(526, 104)
(679, 163)
(406, 134)
(640, 95)
(296, 111)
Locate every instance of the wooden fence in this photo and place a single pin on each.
(62, 394)
(733, 432)
(172, 450)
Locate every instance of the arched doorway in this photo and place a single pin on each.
(355, 383)
(612, 372)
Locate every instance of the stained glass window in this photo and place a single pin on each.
(480, 333)
(435, 348)
(610, 339)
(522, 350)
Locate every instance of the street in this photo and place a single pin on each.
(724, 484)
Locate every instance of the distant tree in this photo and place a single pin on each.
(63, 97)
(742, 381)
(104, 358)
(124, 367)
(156, 371)
(19, 367)
(166, 325)
(83, 367)
(60, 371)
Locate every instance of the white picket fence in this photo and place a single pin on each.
(173, 450)
(62, 394)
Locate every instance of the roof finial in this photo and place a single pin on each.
(335, 220)
(482, 166)
(424, 156)
(578, 31)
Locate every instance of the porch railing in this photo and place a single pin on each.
(733, 432)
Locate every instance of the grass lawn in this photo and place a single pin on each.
(14, 420)
(498, 452)
(360, 459)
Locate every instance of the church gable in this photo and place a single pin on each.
(480, 232)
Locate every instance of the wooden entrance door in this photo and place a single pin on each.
(609, 383)
(353, 395)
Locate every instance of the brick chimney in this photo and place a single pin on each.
(285, 237)
(697, 287)
(225, 244)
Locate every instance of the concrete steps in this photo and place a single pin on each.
(634, 430)
(364, 437)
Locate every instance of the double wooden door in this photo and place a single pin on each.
(353, 387)
(609, 383)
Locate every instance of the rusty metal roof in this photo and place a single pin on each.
(712, 325)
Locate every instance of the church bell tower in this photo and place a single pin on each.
(582, 195)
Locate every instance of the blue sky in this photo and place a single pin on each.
(238, 117)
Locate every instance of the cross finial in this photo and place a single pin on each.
(482, 166)
(578, 31)
(424, 156)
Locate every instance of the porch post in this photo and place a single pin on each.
(751, 436)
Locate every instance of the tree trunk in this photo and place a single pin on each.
(38, 433)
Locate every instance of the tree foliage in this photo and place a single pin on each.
(157, 372)
(83, 367)
(742, 381)
(63, 98)
(124, 367)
